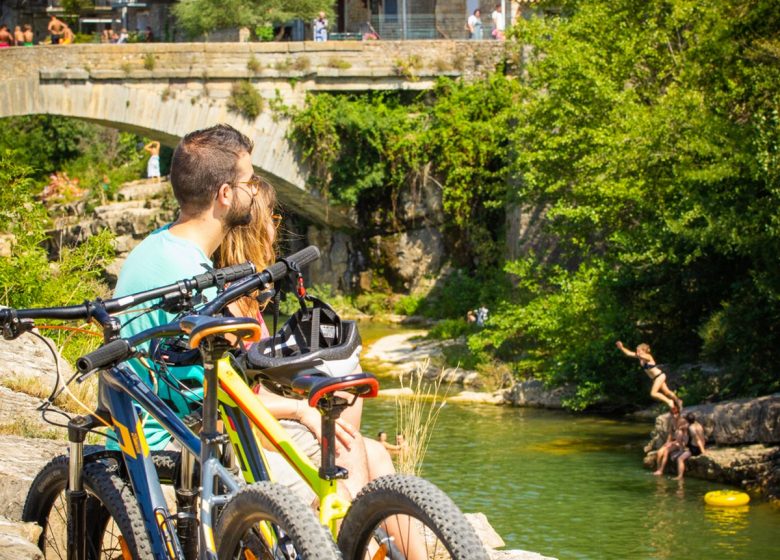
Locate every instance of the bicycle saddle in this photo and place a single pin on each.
(201, 326)
(316, 386)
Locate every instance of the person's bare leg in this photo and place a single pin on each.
(661, 458)
(655, 392)
(354, 460)
(669, 393)
(681, 465)
(404, 531)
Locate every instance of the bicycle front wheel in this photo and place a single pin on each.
(115, 527)
(401, 517)
(266, 520)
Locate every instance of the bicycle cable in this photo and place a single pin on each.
(59, 387)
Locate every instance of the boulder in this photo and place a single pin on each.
(737, 422)
(20, 460)
(17, 540)
(533, 393)
(743, 444)
(30, 357)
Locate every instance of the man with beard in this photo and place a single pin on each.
(212, 178)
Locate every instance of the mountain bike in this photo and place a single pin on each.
(394, 516)
(106, 490)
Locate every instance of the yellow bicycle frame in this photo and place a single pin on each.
(236, 403)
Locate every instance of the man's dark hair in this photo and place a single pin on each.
(690, 417)
(203, 161)
(380, 434)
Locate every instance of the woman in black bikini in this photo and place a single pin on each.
(660, 390)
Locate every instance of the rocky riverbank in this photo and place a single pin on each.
(402, 354)
(743, 444)
(27, 444)
(743, 435)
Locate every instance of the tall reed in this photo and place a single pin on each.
(416, 417)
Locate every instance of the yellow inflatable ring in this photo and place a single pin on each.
(726, 498)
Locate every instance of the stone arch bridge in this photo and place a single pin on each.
(166, 90)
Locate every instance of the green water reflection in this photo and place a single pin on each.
(572, 486)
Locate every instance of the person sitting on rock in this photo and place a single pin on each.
(660, 390)
(696, 443)
(676, 441)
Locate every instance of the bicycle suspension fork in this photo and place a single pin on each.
(75, 495)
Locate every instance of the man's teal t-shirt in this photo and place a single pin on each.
(161, 259)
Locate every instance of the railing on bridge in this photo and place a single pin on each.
(57, 4)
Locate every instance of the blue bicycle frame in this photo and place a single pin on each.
(120, 389)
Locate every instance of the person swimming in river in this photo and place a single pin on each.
(660, 390)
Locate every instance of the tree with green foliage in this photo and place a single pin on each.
(200, 17)
(649, 132)
(647, 135)
(27, 277)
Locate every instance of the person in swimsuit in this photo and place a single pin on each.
(67, 36)
(696, 443)
(676, 441)
(153, 166)
(6, 39)
(56, 29)
(27, 34)
(18, 36)
(660, 390)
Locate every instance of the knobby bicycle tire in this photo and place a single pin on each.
(299, 533)
(423, 516)
(111, 508)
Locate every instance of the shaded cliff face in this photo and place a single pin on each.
(743, 438)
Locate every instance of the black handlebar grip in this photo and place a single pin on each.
(236, 272)
(301, 258)
(222, 275)
(115, 351)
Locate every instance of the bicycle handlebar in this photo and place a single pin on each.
(123, 348)
(86, 310)
(271, 274)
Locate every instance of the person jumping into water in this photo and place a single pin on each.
(660, 390)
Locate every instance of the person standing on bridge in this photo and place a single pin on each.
(6, 39)
(153, 166)
(321, 28)
(27, 35)
(56, 29)
(498, 23)
(474, 25)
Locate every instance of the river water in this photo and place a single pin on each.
(573, 486)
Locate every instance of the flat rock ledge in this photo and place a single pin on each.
(743, 438)
(408, 352)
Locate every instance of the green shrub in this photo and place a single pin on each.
(264, 32)
(245, 100)
(408, 67)
(254, 65)
(339, 63)
(301, 63)
(149, 61)
(407, 305)
(448, 329)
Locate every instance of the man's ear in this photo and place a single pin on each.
(224, 195)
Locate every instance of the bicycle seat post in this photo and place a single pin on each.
(331, 408)
(212, 349)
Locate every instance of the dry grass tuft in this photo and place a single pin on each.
(416, 417)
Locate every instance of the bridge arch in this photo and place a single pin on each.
(169, 89)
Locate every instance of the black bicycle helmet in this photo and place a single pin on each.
(313, 341)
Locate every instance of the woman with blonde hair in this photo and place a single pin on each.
(254, 242)
(660, 390)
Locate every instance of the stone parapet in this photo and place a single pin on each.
(216, 60)
(166, 90)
